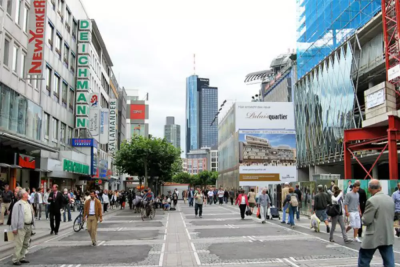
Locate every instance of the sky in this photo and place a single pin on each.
(152, 42)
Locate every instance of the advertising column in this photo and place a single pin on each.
(83, 75)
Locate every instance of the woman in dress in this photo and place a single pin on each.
(252, 199)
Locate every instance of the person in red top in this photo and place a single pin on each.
(243, 202)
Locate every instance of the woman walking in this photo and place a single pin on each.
(293, 201)
(243, 202)
(337, 199)
(252, 199)
(198, 206)
(264, 203)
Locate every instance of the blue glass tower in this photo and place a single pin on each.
(201, 107)
(324, 25)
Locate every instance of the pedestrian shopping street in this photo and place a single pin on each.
(178, 238)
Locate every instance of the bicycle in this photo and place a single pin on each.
(79, 222)
(147, 210)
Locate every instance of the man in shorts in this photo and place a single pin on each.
(353, 211)
(321, 202)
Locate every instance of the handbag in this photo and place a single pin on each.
(8, 235)
(248, 212)
(333, 210)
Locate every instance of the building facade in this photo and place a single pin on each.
(137, 114)
(38, 113)
(172, 132)
(201, 108)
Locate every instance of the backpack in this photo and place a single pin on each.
(293, 200)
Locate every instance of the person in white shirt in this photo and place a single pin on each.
(221, 196)
(210, 196)
(105, 200)
(37, 202)
(46, 203)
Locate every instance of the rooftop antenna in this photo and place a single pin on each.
(194, 64)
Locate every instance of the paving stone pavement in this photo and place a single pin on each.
(178, 238)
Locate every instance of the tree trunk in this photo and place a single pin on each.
(145, 174)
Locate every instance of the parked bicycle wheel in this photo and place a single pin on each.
(78, 223)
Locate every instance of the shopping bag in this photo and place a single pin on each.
(248, 212)
(258, 213)
(8, 235)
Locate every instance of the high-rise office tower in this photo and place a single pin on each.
(172, 132)
(201, 107)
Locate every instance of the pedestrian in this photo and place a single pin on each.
(264, 202)
(285, 192)
(6, 196)
(210, 196)
(106, 201)
(221, 193)
(46, 202)
(190, 197)
(231, 195)
(298, 193)
(67, 205)
(32, 200)
(226, 196)
(363, 202)
(378, 218)
(92, 213)
(37, 202)
(122, 200)
(353, 211)
(243, 202)
(14, 200)
(215, 194)
(130, 200)
(21, 225)
(198, 206)
(175, 199)
(321, 202)
(56, 201)
(396, 200)
(292, 201)
(184, 196)
(165, 203)
(252, 199)
(337, 201)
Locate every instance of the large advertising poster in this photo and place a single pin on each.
(267, 156)
(137, 112)
(138, 129)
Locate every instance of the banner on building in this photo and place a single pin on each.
(112, 136)
(104, 120)
(267, 156)
(36, 41)
(94, 115)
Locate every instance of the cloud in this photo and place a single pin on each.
(151, 44)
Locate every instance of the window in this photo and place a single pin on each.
(66, 54)
(69, 135)
(60, 9)
(56, 88)
(22, 66)
(58, 45)
(55, 130)
(50, 34)
(64, 94)
(6, 51)
(18, 11)
(48, 79)
(46, 124)
(63, 132)
(25, 21)
(15, 59)
(9, 7)
(53, 3)
(74, 29)
(67, 21)
(73, 62)
(71, 99)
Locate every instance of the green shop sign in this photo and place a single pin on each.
(75, 167)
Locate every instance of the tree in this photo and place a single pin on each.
(148, 156)
(182, 178)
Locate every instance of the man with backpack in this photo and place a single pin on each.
(292, 202)
(321, 202)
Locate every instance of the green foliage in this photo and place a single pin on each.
(148, 157)
(202, 179)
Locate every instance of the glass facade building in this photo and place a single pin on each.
(324, 25)
(208, 109)
(192, 113)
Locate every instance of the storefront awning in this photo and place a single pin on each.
(21, 143)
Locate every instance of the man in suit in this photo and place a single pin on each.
(378, 217)
(92, 213)
(56, 201)
(363, 202)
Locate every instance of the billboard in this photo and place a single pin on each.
(137, 112)
(36, 41)
(138, 129)
(94, 114)
(265, 115)
(104, 114)
(267, 156)
(112, 131)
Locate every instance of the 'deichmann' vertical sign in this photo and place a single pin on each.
(36, 42)
(112, 136)
(83, 75)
